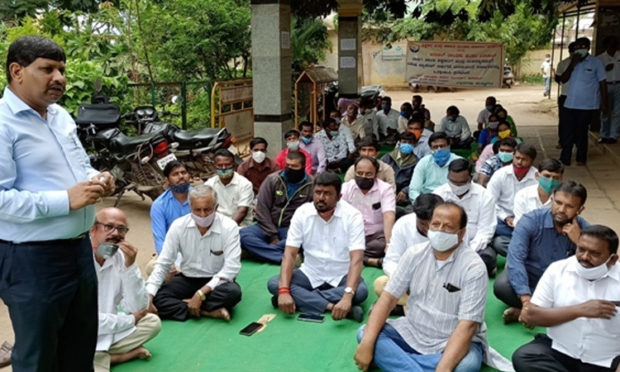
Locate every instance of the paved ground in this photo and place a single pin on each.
(536, 119)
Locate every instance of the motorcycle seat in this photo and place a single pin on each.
(195, 138)
(126, 144)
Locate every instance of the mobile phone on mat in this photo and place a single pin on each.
(317, 318)
(251, 328)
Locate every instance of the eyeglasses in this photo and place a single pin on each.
(107, 227)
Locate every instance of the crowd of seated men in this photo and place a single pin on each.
(326, 206)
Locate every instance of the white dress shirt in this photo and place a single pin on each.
(528, 200)
(387, 121)
(118, 285)
(404, 235)
(562, 67)
(238, 193)
(503, 186)
(348, 136)
(216, 254)
(480, 209)
(591, 340)
(613, 75)
(326, 244)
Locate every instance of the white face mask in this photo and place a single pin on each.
(258, 156)
(581, 52)
(592, 273)
(442, 241)
(294, 146)
(204, 221)
(460, 190)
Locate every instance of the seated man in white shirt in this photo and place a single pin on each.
(120, 336)
(235, 192)
(331, 232)
(443, 329)
(503, 186)
(409, 230)
(481, 220)
(577, 299)
(549, 176)
(456, 127)
(211, 260)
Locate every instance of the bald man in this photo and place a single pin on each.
(120, 336)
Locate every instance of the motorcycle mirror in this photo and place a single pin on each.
(173, 145)
(145, 160)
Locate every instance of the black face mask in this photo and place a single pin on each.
(294, 175)
(364, 183)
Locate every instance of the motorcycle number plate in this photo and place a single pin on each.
(165, 160)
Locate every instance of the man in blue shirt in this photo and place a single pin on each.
(47, 192)
(587, 93)
(169, 206)
(540, 238)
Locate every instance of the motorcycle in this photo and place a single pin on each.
(136, 162)
(194, 148)
(508, 79)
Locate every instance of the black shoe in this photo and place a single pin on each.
(603, 140)
(612, 141)
(558, 146)
(274, 301)
(356, 313)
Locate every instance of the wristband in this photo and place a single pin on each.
(201, 294)
(283, 290)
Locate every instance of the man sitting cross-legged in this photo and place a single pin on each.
(443, 329)
(331, 232)
(120, 336)
(209, 244)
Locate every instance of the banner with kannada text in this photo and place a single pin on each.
(455, 64)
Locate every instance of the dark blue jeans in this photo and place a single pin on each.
(51, 292)
(254, 241)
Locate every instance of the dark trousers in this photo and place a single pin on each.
(169, 299)
(489, 257)
(51, 291)
(575, 134)
(504, 292)
(561, 118)
(255, 242)
(539, 356)
(315, 300)
(341, 164)
(375, 245)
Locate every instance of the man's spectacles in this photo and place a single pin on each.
(107, 227)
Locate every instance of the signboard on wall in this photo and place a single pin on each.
(455, 64)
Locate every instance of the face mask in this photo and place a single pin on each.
(306, 140)
(490, 107)
(404, 114)
(258, 156)
(442, 241)
(204, 221)
(547, 59)
(406, 148)
(504, 134)
(520, 171)
(386, 107)
(294, 146)
(592, 273)
(294, 175)
(225, 173)
(364, 183)
(581, 52)
(505, 157)
(548, 184)
(333, 133)
(417, 133)
(181, 188)
(452, 118)
(459, 190)
(493, 125)
(441, 156)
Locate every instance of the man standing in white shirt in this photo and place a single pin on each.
(610, 121)
(577, 299)
(546, 70)
(120, 336)
(408, 231)
(331, 232)
(503, 186)
(211, 260)
(481, 220)
(235, 192)
(549, 176)
(387, 117)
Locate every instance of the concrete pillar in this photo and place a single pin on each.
(271, 70)
(349, 47)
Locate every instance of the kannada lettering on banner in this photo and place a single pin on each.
(455, 64)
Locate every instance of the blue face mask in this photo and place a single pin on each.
(225, 173)
(181, 188)
(406, 148)
(441, 156)
(490, 107)
(333, 133)
(404, 114)
(505, 157)
(306, 140)
(386, 107)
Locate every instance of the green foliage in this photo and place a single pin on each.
(309, 42)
